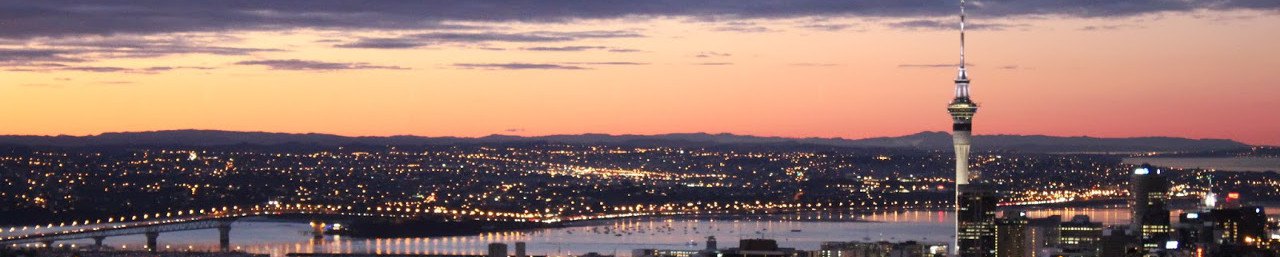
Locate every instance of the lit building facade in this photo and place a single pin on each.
(1149, 199)
(1013, 235)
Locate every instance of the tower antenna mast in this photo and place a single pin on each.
(962, 34)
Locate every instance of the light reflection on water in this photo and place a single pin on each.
(620, 236)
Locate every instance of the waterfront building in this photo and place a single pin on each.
(854, 249)
(759, 248)
(881, 249)
(1080, 236)
(1044, 233)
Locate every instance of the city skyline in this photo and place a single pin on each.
(799, 69)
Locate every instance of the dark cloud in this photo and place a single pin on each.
(438, 38)
(55, 18)
(713, 63)
(28, 56)
(624, 50)
(141, 47)
(296, 64)
(518, 66)
(40, 53)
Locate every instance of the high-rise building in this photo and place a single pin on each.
(1081, 236)
(1013, 235)
(1245, 226)
(1116, 242)
(1194, 230)
(1149, 199)
(1045, 233)
(976, 221)
(975, 204)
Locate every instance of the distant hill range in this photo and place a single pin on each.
(922, 141)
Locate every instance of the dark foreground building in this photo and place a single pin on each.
(976, 221)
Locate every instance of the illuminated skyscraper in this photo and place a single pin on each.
(975, 204)
(1149, 199)
(1013, 235)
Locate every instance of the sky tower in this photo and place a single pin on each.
(975, 203)
(962, 110)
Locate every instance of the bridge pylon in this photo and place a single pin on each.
(151, 240)
(317, 231)
(224, 235)
(97, 243)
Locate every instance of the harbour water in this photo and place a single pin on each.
(617, 236)
(620, 236)
(1214, 163)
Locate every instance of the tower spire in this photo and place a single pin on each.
(961, 34)
(963, 75)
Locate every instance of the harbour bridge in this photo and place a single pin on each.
(221, 218)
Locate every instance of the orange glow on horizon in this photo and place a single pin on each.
(1181, 75)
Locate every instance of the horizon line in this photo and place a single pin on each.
(607, 134)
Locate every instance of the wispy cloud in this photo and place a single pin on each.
(709, 54)
(28, 56)
(48, 54)
(439, 38)
(51, 67)
(933, 65)
(563, 48)
(743, 27)
(933, 24)
(808, 64)
(33, 19)
(607, 63)
(518, 66)
(1107, 27)
(828, 26)
(296, 64)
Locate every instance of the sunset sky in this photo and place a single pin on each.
(805, 68)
